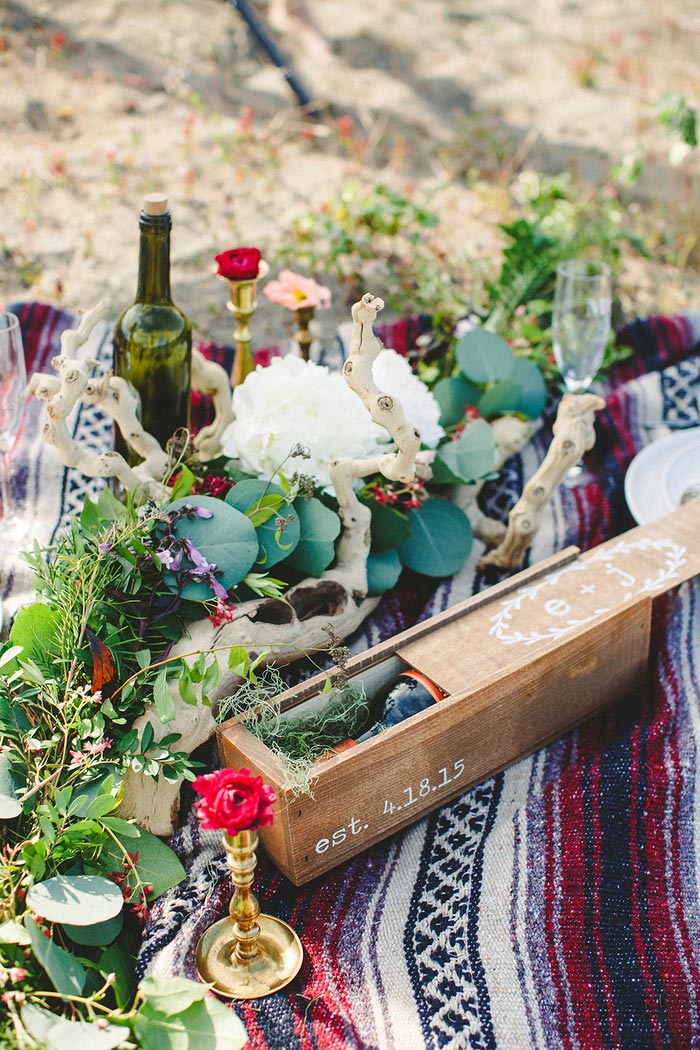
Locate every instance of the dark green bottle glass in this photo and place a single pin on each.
(153, 338)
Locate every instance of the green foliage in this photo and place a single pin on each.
(275, 520)
(441, 538)
(470, 456)
(319, 530)
(675, 113)
(383, 571)
(381, 231)
(226, 538)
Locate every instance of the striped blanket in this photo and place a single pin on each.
(556, 905)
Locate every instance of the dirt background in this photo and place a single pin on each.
(102, 102)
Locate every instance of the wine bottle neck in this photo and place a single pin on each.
(154, 259)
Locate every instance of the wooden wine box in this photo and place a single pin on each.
(520, 664)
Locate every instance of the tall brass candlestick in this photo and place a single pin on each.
(242, 305)
(247, 955)
(304, 316)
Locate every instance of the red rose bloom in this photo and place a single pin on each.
(239, 264)
(233, 800)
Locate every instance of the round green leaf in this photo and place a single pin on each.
(35, 628)
(275, 543)
(441, 539)
(470, 457)
(61, 1034)
(383, 571)
(533, 389)
(500, 398)
(171, 995)
(319, 529)
(81, 900)
(484, 357)
(452, 395)
(97, 935)
(227, 539)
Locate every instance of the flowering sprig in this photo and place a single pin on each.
(233, 800)
(406, 497)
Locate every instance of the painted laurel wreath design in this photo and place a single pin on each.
(673, 559)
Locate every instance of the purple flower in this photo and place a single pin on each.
(104, 548)
(168, 559)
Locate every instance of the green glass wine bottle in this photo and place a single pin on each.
(153, 338)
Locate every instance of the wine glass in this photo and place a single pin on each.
(13, 386)
(580, 329)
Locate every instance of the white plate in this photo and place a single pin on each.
(658, 476)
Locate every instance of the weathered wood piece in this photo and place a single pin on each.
(574, 434)
(521, 664)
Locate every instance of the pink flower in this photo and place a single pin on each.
(294, 291)
(99, 747)
(76, 759)
(233, 800)
(17, 973)
(239, 264)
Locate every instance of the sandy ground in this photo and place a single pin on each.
(102, 102)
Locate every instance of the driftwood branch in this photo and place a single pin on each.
(574, 434)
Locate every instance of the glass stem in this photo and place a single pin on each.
(6, 487)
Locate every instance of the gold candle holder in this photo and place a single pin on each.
(242, 304)
(247, 955)
(304, 316)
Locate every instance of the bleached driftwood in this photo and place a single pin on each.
(297, 623)
(574, 434)
(74, 383)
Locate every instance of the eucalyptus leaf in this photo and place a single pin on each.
(470, 457)
(441, 538)
(452, 395)
(206, 1024)
(389, 526)
(227, 539)
(64, 971)
(157, 865)
(533, 389)
(275, 544)
(383, 571)
(58, 1033)
(171, 994)
(12, 932)
(98, 934)
(319, 530)
(81, 900)
(500, 398)
(483, 356)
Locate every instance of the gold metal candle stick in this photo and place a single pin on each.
(242, 305)
(247, 955)
(304, 316)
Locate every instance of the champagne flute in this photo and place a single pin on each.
(580, 329)
(13, 386)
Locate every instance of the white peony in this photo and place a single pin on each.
(394, 375)
(294, 401)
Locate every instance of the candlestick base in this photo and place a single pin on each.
(276, 963)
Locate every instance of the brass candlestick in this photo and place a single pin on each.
(247, 955)
(242, 305)
(304, 316)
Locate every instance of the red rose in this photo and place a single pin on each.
(233, 800)
(239, 264)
